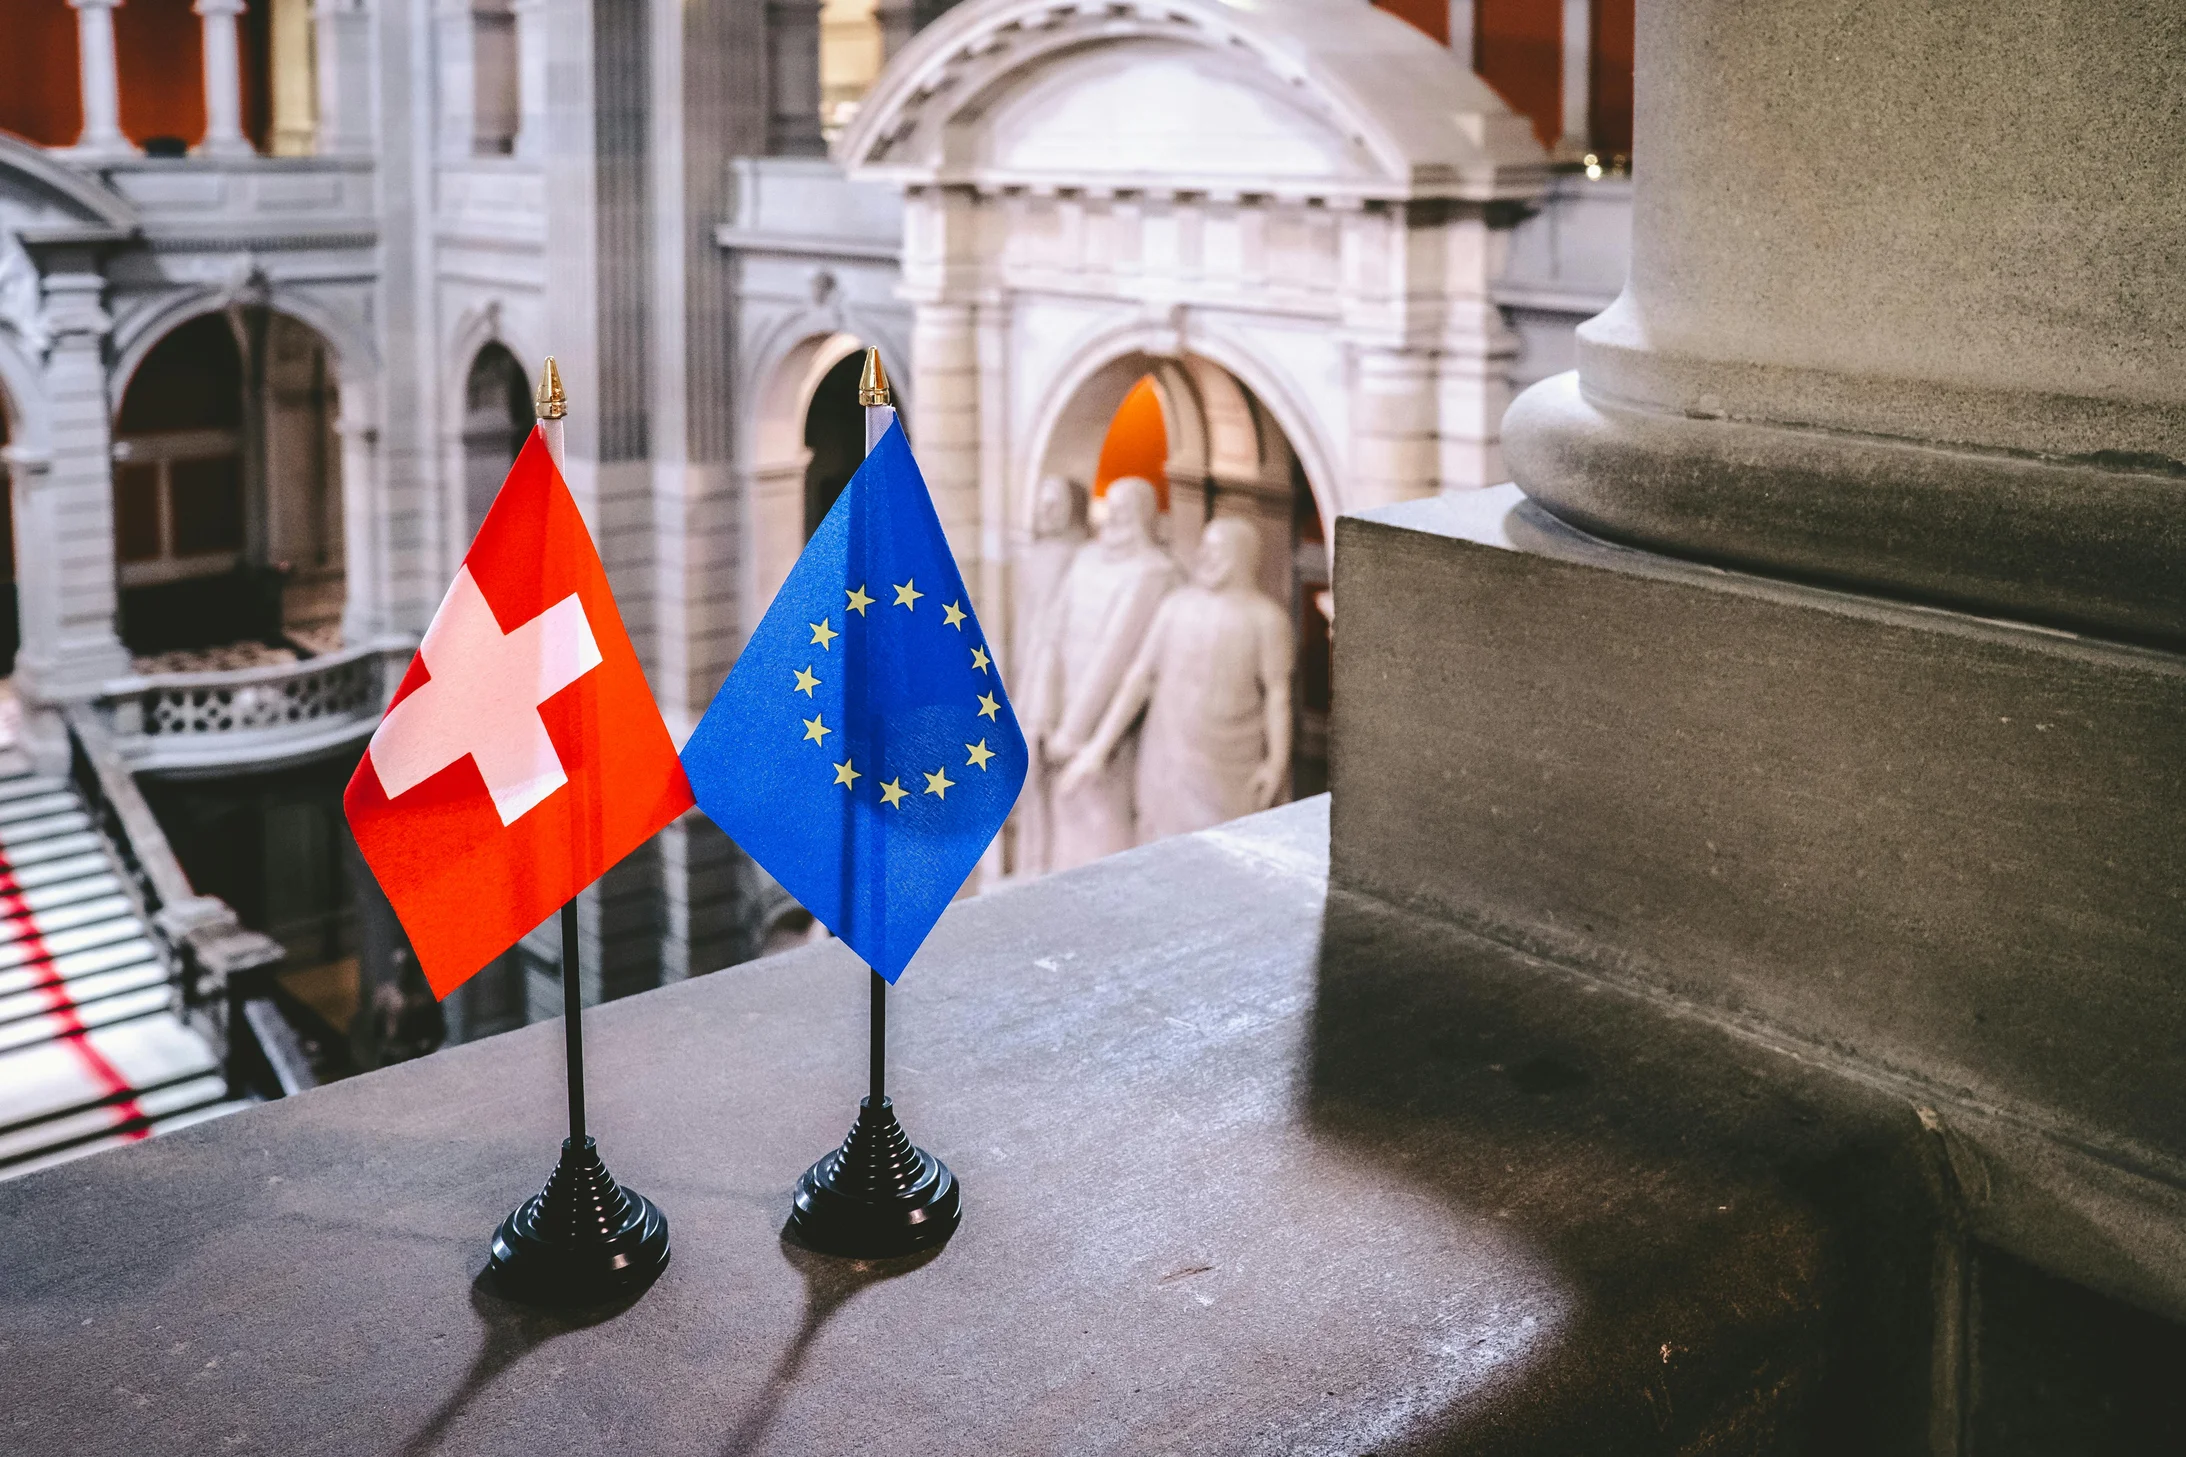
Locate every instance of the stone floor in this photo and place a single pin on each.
(1247, 1168)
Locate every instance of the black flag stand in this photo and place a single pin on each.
(878, 1194)
(584, 1239)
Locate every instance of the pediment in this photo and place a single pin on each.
(1190, 94)
(1139, 112)
(37, 189)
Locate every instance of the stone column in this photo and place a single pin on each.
(902, 19)
(1394, 452)
(945, 421)
(1578, 84)
(365, 613)
(100, 80)
(223, 79)
(531, 77)
(455, 127)
(1946, 383)
(793, 79)
(66, 586)
(344, 43)
(1461, 30)
(294, 124)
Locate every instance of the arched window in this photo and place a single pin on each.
(228, 529)
(835, 434)
(497, 417)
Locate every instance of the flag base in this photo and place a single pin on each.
(582, 1240)
(878, 1195)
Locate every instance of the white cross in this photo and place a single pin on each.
(482, 701)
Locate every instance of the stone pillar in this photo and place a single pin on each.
(294, 124)
(1461, 30)
(365, 612)
(945, 420)
(223, 80)
(531, 77)
(343, 35)
(456, 124)
(902, 19)
(1577, 138)
(793, 79)
(1945, 383)
(1394, 452)
(65, 587)
(100, 80)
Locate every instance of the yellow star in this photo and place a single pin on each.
(892, 793)
(845, 775)
(805, 682)
(823, 634)
(979, 659)
(980, 755)
(859, 601)
(906, 594)
(815, 731)
(953, 615)
(938, 784)
(988, 708)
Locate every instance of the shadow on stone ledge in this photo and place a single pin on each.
(1752, 1246)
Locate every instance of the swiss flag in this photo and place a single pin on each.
(523, 754)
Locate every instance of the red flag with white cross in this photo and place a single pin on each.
(523, 754)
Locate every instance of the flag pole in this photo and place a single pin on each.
(584, 1239)
(878, 1194)
(880, 413)
(551, 405)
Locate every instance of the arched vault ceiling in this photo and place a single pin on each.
(1313, 96)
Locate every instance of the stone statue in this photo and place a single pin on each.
(1058, 530)
(1088, 640)
(1213, 678)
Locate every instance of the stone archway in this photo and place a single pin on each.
(1229, 455)
(806, 437)
(1311, 196)
(229, 513)
(497, 418)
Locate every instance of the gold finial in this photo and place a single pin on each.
(873, 381)
(550, 402)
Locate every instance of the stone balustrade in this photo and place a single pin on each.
(252, 718)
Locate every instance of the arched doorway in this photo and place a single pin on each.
(835, 436)
(1213, 449)
(497, 418)
(807, 438)
(228, 528)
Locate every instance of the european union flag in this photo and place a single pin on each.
(862, 749)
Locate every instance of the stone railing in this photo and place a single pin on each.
(252, 718)
(217, 962)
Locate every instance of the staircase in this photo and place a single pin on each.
(92, 1049)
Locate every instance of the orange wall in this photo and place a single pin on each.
(1137, 443)
(1611, 106)
(162, 76)
(1431, 16)
(1518, 48)
(38, 99)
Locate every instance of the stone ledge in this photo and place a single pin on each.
(1247, 1169)
(1936, 852)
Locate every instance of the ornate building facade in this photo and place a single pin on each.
(266, 341)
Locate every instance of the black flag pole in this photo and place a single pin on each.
(878, 1194)
(584, 1239)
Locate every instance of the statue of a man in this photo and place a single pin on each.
(1058, 531)
(1214, 681)
(1099, 618)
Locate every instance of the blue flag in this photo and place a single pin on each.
(862, 749)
